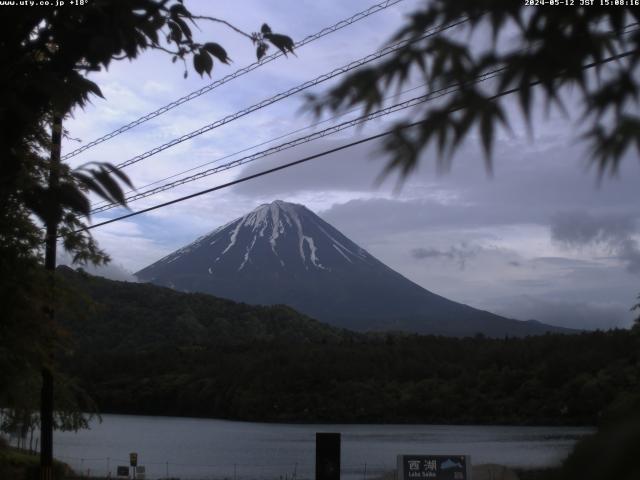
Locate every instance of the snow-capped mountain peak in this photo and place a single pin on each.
(284, 253)
(275, 228)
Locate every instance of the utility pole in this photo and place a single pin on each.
(46, 398)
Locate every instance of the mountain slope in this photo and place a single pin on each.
(282, 253)
(107, 315)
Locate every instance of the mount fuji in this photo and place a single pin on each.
(282, 253)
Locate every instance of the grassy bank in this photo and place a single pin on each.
(17, 464)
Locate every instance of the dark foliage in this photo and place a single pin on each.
(151, 350)
(19, 465)
(537, 55)
(124, 317)
(46, 54)
(637, 307)
(612, 452)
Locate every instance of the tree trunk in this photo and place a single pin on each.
(46, 399)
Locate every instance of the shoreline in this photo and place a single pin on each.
(17, 463)
(355, 423)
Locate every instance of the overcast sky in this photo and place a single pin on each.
(539, 239)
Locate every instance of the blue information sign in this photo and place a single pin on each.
(434, 467)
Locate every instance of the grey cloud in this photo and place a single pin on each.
(577, 280)
(362, 217)
(355, 169)
(528, 187)
(530, 181)
(460, 254)
(629, 252)
(463, 252)
(530, 283)
(111, 271)
(421, 253)
(566, 313)
(562, 262)
(579, 229)
(598, 291)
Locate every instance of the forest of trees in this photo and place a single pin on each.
(552, 379)
(151, 350)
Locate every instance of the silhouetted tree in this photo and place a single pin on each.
(45, 56)
(537, 54)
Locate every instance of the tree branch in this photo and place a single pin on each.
(232, 27)
(164, 49)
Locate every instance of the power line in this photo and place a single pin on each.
(328, 152)
(237, 181)
(238, 73)
(262, 154)
(300, 140)
(288, 93)
(100, 203)
(276, 98)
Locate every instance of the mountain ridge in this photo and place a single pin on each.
(282, 253)
(130, 316)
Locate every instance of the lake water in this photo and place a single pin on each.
(189, 448)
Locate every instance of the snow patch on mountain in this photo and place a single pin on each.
(342, 253)
(313, 255)
(271, 221)
(246, 254)
(269, 225)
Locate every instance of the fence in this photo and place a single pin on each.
(303, 470)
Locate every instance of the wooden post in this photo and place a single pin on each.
(46, 394)
(327, 456)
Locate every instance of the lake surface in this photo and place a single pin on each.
(190, 448)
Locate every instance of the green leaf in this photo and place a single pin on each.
(179, 9)
(198, 63)
(88, 182)
(118, 173)
(69, 196)
(525, 102)
(175, 32)
(184, 27)
(103, 176)
(157, 21)
(93, 88)
(282, 42)
(207, 61)
(217, 51)
(261, 50)
(486, 133)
